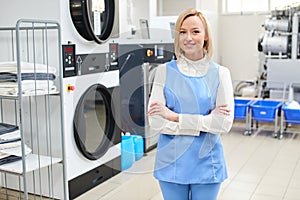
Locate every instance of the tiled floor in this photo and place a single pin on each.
(260, 168)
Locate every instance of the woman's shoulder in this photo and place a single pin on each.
(161, 67)
(160, 73)
(224, 73)
(170, 64)
(221, 67)
(224, 70)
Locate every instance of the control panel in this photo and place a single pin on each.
(113, 55)
(92, 63)
(69, 61)
(136, 54)
(158, 53)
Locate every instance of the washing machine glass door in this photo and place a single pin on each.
(93, 122)
(94, 19)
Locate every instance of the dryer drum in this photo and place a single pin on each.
(90, 22)
(93, 122)
(274, 44)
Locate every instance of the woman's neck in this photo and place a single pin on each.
(194, 57)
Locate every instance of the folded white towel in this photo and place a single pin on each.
(10, 145)
(28, 87)
(15, 150)
(26, 67)
(2, 155)
(293, 105)
(10, 135)
(33, 91)
(27, 84)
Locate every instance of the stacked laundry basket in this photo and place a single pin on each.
(267, 110)
(290, 110)
(242, 103)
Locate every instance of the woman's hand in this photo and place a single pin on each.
(222, 109)
(157, 108)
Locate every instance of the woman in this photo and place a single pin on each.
(191, 104)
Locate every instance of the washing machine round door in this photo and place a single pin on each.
(94, 19)
(93, 122)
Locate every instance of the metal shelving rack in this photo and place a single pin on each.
(38, 114)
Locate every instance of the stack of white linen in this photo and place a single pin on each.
(26, 67)
(36, 78)
(293, 105)
(29, 87)
(10, 144)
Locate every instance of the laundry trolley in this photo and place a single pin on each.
(242, 112)
(244, 92)
(290, 116)
(290, 110)
(267, 109)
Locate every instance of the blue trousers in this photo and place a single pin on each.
(174, 191)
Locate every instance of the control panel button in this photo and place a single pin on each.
(70, 88)
(69, 64)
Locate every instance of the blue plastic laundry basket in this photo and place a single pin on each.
(240, 108)
(265, 110)
(291, 115)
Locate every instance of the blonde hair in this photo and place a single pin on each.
(188, 13)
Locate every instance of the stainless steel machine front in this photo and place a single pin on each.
(137, 63)
(279, 63)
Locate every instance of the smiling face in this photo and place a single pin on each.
(192, 37)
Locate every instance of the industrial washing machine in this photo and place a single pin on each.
(137, 62)
(279, 52)
(90, 85)
(92, 137)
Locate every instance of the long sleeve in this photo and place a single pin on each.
(214, 123)
(190, 124)
(157, 123)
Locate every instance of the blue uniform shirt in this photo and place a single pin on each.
(190, 159)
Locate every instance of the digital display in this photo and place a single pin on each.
(113, 47)
(69, 50)
(160, 52)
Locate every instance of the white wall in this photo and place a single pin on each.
(173, 7)
(129, 16)
(238, 39)
(15, 9)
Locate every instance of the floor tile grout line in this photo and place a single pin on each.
(291, 177)
(265, 171)
(250, 156)
(243, 164)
